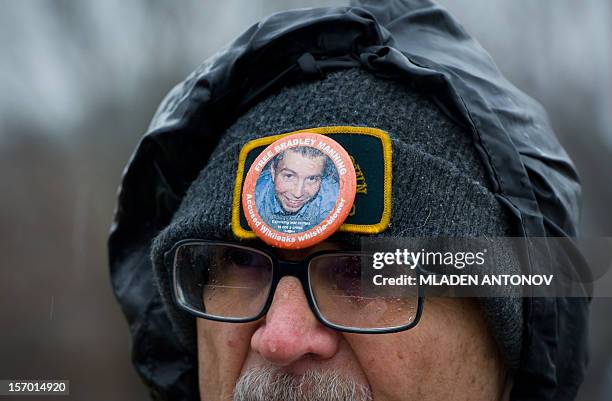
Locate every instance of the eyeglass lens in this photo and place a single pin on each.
(346, 296)
(225, 281)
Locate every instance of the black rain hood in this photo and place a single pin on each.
(408, 41)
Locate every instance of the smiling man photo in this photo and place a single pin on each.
(298, 190)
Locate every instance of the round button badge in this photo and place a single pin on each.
(299, 190)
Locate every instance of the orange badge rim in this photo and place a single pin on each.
(326, 226)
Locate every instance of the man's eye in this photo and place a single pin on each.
(347, 276)
(287, 176)
(313, 179)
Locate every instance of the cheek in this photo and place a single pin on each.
(222, 350)
(395, 365)
(280, 186)
(312, 189)
(449, 355)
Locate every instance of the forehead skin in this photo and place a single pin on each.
(303, 166)
(449, 355)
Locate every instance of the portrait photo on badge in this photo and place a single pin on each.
(299, 190)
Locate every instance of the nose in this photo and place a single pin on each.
(291, 331)
(298, 189)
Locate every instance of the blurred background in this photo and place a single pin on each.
(79, 82)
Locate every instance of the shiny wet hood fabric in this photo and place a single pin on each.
(407, 41)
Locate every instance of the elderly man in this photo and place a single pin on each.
(446, 148)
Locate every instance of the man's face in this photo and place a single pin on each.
(288, 355)
(297, 179)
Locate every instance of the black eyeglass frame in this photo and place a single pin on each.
(280, 269)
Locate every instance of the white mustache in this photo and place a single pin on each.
(272, 384)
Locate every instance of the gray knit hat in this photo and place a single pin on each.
(439, 184)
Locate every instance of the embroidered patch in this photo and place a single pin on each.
(369, 150)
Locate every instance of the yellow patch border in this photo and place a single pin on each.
(382, 225)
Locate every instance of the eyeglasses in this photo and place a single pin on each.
(227, 282)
